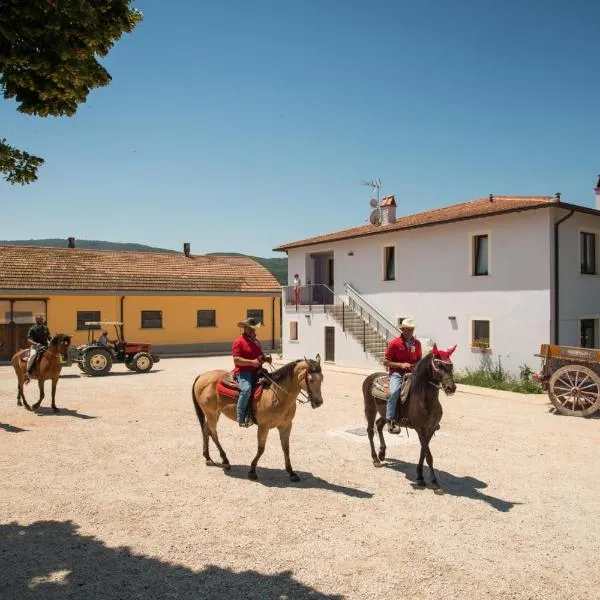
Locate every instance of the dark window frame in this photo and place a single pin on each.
(81, 326)
(389, 263)
(213, 321)
(150, 322)
(477, 340)
(477, 249)
(261, 311)
(588, 254)
(583, 325)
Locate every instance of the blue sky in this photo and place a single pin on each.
(240, 125)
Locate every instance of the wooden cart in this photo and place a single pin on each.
(571, 376)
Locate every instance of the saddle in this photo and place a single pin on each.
(381, 387)
(229, 387)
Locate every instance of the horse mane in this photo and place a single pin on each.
(421, 373)
(287, 370)
(56, 339)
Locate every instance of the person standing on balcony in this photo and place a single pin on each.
(297, 284)
(401, 355)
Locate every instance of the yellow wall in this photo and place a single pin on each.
(178, 313)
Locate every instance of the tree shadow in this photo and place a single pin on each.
(46, 411)
(11, 428)
(278, 478)
(465, 487)
(50, 560)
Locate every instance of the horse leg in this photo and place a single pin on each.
(284, 436)
(211, 425)
(41, 386)
(434, 482)
(423, 440)
(21, 395)
(382, 447)
(370, 414)
(54, 382)
(205, 439)
(263, 432)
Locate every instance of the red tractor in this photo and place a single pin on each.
(96, 358)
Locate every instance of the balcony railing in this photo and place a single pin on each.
(316, 294)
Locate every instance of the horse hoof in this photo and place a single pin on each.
(438, 490)
(55, 409)
(227, 466)
(420, 482)
(210, 463)
(252, 475)
(294, 477)
(378, 464)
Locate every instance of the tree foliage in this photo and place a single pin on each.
(49, 52)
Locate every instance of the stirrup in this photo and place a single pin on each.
(393, 427)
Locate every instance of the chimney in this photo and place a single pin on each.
(597, 191)
(71, 242)
(186, 249)
(388, 210)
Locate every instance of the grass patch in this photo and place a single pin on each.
(494, 376)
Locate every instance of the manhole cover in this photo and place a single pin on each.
(358, 431)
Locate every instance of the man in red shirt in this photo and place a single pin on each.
(401, 356)
(248, 358)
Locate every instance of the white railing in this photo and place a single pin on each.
(375, 318)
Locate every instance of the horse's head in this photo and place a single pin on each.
(310, 377)
(442, 369)
(62, 342)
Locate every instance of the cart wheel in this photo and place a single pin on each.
(575, 391)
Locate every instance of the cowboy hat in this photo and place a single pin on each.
(250, 322)
(407, 324)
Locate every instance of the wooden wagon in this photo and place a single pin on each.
(571, 376)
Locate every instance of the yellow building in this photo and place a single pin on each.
(180, 303)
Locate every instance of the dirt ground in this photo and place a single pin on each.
(111, 499)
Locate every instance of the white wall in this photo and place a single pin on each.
(579, 294)
(433, 282)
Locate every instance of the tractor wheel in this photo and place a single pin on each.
(97, 362)
(81, 365)
(130, 365)
(142, 362)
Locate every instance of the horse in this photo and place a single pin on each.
(47, 366)
(273, 404)
(422, 411)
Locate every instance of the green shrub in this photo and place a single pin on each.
(495, 376)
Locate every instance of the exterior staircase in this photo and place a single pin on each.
(363, 322)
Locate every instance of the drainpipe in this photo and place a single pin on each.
(556, 275)
(121, 319)
(273, 323)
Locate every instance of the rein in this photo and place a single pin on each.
(308, 397)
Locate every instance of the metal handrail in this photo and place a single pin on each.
(381, 321)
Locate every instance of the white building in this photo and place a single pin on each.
(503, 273)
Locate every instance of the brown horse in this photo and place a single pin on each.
(275, 407)
(422, 411)
(47, 366)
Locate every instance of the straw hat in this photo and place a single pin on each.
(249, 322)
(407, 324)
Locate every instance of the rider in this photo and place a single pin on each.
(38, 335)
(248, 358)
(402, 353)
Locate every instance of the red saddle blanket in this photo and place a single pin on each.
(229, 387)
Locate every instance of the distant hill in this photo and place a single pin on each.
(277, 266)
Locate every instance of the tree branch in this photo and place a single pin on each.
(17, 166)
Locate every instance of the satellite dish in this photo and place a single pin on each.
(373, 202)
(374, 218)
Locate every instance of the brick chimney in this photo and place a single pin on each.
(388, 210)
(186, 249)
(71, 242)
(597, 192)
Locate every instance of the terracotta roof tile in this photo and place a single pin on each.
(33, 267)
(466, 210)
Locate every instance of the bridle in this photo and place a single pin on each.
(437, 371)
(309, 394)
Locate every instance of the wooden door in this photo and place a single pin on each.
(330, 344)
(5, 342)
(20, 338)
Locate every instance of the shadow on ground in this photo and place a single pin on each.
(46, 411)
(278, 478)
(465, 487)
(11, 428)
(50, 560)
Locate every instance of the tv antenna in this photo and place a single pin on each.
(375, 216)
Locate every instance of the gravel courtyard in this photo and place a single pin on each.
(110, 499)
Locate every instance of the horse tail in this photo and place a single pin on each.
(199, 412)
(370, 406)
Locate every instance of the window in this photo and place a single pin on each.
(293, 331)
(481, 334)
(87, 315)
(588, 334)
(389, 263)
(256, 314)
(151, 319)
(480, 255)
(206, 318)
(588, 253)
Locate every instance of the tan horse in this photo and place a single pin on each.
(48, 366)
(276, 406)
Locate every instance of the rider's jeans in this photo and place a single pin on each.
(245, 379)
(32, 352)
(395, 387)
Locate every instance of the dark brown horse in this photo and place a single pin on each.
(275, 408)
(47, 366)
(421, 412)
